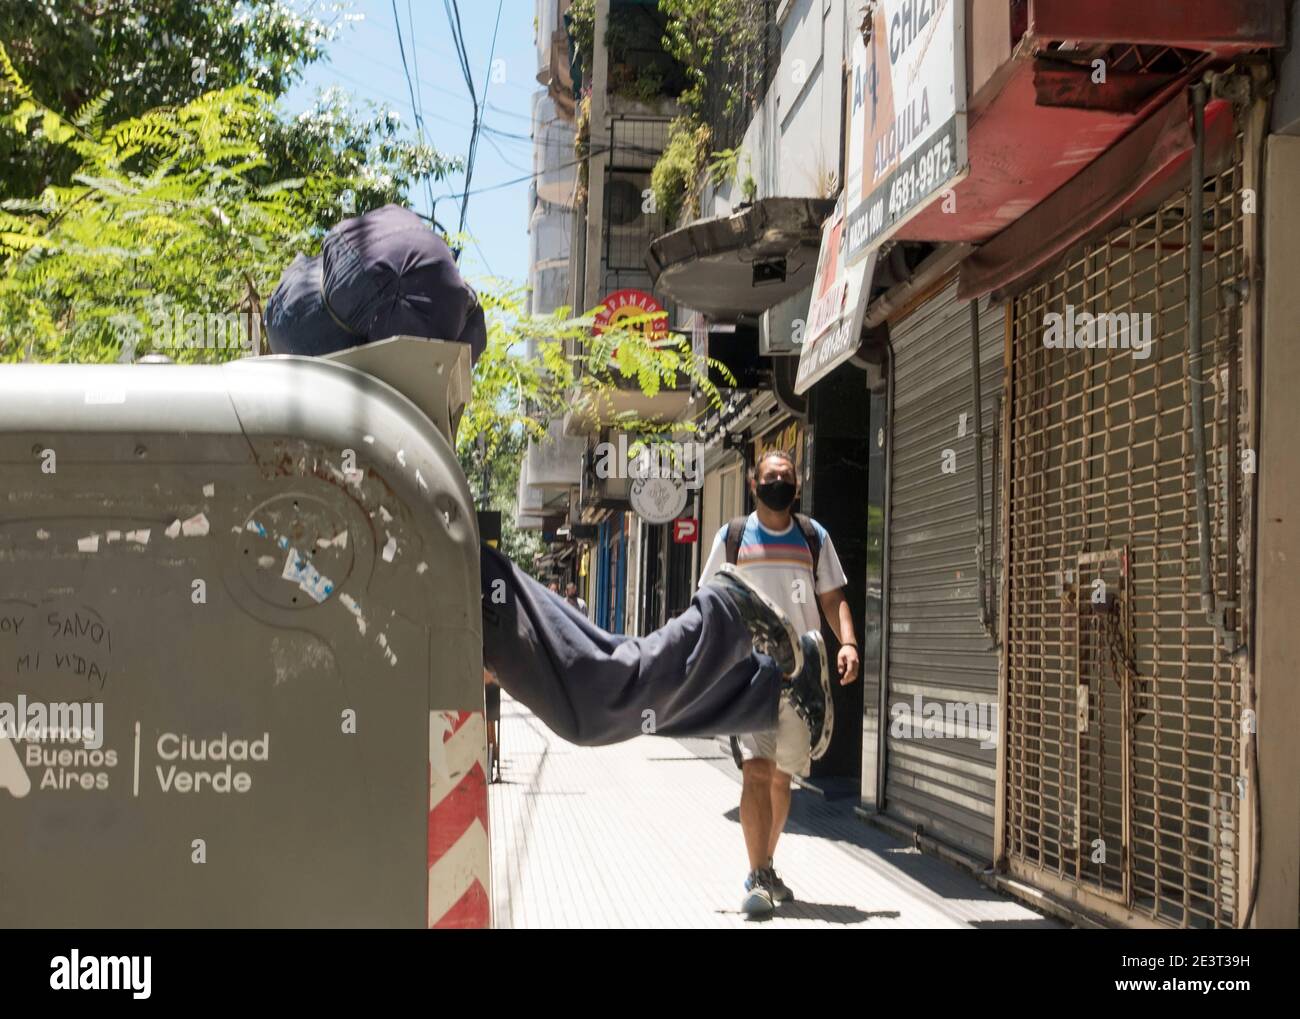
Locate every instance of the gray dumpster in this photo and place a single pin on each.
(240, 645)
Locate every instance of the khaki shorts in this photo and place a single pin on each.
(786, 745)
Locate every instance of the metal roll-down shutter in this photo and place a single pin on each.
(940, 773)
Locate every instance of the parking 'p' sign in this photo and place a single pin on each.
(686, 531)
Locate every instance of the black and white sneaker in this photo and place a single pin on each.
(810, 694)
(781, 893)
(771, 628)
(758, 899)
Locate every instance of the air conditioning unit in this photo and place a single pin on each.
(611, 491)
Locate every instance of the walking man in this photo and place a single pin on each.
(571, 596)
(789, 558)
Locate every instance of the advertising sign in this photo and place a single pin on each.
(838, 304)
(907, 116)
(658, 499)
(633, 310)
(628, 309)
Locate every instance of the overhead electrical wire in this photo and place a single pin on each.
(415, 104)
(442, 55)
(452, 8)
(419, 92)
(514, 166)
(478, 103)
(478, 127)
(421, 83)
(507, 135)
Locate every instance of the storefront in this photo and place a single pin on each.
(669, 570)
(1123, 751)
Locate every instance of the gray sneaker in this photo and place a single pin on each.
(758, 897)
(770, 627)
(810, 694)
(781, 893)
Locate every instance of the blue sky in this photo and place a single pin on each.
(365, 61)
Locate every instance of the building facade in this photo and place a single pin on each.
(1055, 454)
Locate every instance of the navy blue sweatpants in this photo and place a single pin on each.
(697, 676)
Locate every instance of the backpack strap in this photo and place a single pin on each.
(735, 532)
(813, 539)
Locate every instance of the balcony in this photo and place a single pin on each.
(553, 162)
(529, 503)
(740, 265)
(548, 259)
(641, 77)
(554, 466)
(554, 55)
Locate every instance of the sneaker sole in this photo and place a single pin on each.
(818, 750)
(791, 635)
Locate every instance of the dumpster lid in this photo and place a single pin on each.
(432, 374)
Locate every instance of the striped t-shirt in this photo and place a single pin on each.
(780, 565)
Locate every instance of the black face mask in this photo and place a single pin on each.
(776, 495)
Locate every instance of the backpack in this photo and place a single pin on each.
(736, 531)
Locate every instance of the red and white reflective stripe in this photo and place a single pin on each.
(459, 863)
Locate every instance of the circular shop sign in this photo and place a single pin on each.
(630, 309)
(658, 500)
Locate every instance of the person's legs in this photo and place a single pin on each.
(792, 756)
(779, 791)
(756, 820)
(756, 809)
(697, 676)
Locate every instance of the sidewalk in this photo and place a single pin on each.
(645, 834)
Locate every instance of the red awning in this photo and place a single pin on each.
(1039, 119)
(1130, 179)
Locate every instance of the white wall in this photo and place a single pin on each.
(792, 145)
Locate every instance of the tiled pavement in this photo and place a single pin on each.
(645, 834)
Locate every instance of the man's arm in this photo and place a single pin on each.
(830, 595)
(840, 616)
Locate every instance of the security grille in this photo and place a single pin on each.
(1123, 711)
(634, 145)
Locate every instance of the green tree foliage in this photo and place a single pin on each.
(677, 170)
(502, 471)
(719, 43)
(565, 369)
(142, 54)
(336, 140)
(581, 22)
(165, 221)
(134, 221)
(716, 41)
(167, 217)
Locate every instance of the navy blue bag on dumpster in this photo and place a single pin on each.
(382, 274)
(297, 321)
